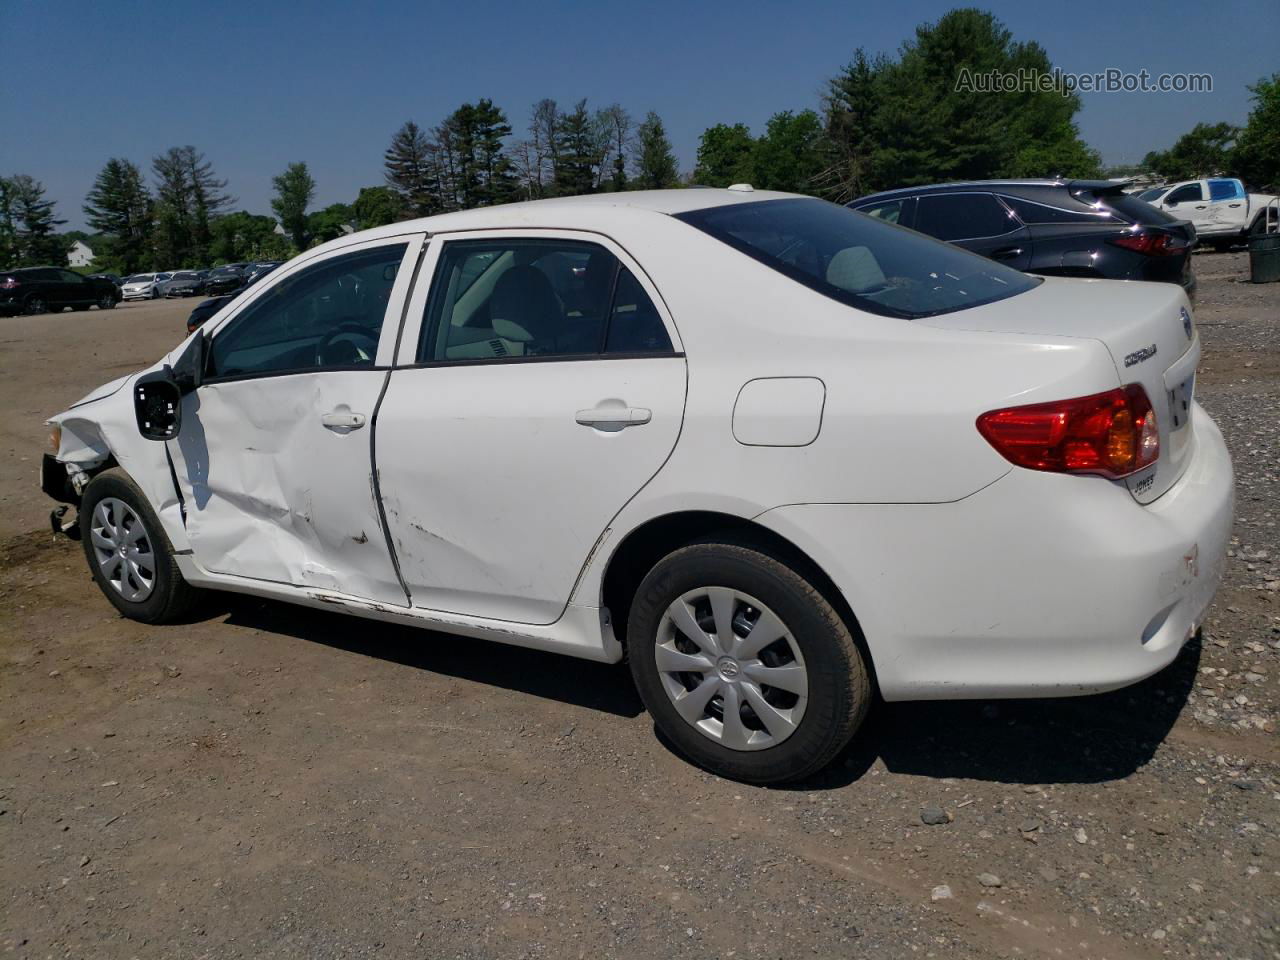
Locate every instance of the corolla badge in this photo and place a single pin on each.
(1186, 321)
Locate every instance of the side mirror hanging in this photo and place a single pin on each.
(157, 404)
(157, 397)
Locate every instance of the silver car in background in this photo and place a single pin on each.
(183, 283)
(143, 286)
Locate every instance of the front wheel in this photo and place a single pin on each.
(129, 555)
(744, 665)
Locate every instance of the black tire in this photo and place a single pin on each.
(35, 305)
(170, 596)
(107, 302)
(839, 687)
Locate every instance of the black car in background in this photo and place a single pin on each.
(34, 290)
(256, 271)
(226, 279)
(1063, 228)
(183, 283)
(206, 309)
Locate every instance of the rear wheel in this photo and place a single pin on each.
(107, 301)
(34, 305)
(129, 555)
(744, 665)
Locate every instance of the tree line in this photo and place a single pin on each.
(883, 121)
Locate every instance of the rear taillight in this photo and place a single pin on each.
(1152, 244)
(9, 283)
(1112, 434)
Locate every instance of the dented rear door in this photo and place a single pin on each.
(274, 461)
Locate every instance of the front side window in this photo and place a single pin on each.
(859, 260)
(514, 298)
(1190, 191)
(963, 216)
(326, 316)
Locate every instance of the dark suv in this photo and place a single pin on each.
(1064, 228)
(49, 289)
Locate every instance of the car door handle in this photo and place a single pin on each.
(613, 418)
(342, 420)
(1233, 205)
(1200, 206)
(1007, 253)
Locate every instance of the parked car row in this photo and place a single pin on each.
(781, 455)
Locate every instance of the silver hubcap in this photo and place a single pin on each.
(731, 668)
(123, 549)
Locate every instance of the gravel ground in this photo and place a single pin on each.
(267, 781)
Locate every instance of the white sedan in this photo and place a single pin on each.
(779, 453)
(143, 286)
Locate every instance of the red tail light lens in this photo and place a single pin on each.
(1113, 434)
(1152, 244)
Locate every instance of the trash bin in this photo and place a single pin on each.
(1264, 258)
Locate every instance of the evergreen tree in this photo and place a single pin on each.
(577, 152)
(850, 144)
(119, 206)
(724, 156)
(8, 231)
(35, 240)
(243, 236)
(412, 171)
(295, 189)
(655, 161)
(475, 168)
(188, 196)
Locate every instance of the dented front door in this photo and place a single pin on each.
(274, 461)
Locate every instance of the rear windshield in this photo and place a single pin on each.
(860, 260)
(1136, 210)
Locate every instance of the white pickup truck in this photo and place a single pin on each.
(1220, 208)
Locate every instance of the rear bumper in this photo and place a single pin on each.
(1038, 585)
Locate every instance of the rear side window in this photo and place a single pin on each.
(1136, 210)
(520, 298)
(1030, 212)
(859, 260)
(963, 216)
(890, 211)
(1223, 190)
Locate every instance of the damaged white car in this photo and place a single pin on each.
(780, 453)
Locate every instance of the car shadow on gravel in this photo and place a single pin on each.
(596, 686)
(1066, 740)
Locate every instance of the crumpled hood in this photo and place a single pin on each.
(106, 390)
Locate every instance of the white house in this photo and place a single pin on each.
(81, 254)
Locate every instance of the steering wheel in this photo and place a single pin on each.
(334, 352)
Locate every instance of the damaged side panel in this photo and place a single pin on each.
(273, 493)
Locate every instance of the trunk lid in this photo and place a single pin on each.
(1148, 331)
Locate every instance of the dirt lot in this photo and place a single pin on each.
(273, 782)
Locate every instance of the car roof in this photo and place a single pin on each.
(567, 213)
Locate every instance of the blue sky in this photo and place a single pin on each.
(257, 85)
